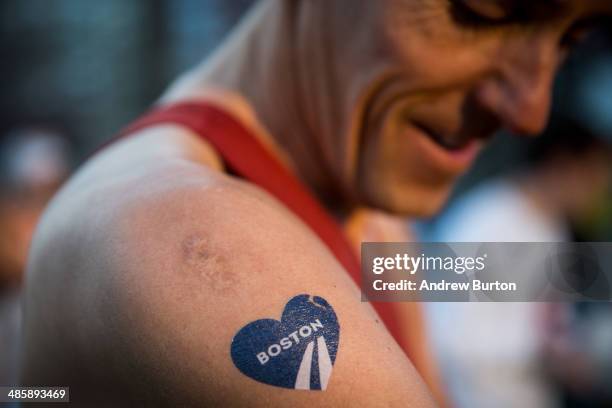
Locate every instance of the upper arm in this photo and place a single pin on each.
(204, 266)
(138, 289)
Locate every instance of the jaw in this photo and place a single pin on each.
(409, 198)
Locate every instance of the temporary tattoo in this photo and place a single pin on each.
(296, 352)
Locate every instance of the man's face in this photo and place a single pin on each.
(416, 86)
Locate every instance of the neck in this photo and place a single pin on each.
(256, 76)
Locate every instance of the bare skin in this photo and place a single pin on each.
(152, 288)
(151, 257)
(374, 226)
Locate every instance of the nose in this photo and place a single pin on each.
(519, 91)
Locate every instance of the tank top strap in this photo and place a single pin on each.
(245, 156)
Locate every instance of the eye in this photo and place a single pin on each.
(578, 32)
(482, 12)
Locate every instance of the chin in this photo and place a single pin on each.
(420, 201)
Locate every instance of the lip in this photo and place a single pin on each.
(455, 160)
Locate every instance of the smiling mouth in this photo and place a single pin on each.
(448, 143)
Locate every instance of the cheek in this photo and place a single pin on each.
(427, 44)
(395, 175)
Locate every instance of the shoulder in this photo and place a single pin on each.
(163, 269)
(143, 212)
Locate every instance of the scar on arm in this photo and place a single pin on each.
(208, 265)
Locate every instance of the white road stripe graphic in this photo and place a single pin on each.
(325, 364)
(302, 382)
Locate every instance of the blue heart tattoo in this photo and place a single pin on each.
(297, 352)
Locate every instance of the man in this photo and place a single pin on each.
(155, 274)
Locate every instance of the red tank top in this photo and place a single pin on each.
(246, 158)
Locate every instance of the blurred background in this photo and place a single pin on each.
(74, 72)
